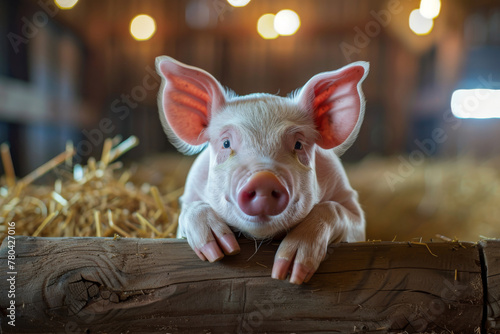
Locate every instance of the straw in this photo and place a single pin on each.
(8, 166)
(75, 204)
(46, 167)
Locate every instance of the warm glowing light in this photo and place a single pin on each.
(238, 3)
(65, 4)
(476, 103)
(142, 27)
(286, 22)
(265, 26)
(419, 24)
(430, 8)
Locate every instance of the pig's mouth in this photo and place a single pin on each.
(258, 219)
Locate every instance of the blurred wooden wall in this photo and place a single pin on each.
(233, 52)
(408, 89)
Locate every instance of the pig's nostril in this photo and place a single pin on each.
(251, 194)
(275, 194)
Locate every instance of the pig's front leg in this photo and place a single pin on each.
(305, 246)
(207, 234)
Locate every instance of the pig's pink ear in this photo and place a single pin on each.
(187, 99)
(336, 102)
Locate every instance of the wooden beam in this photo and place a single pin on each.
(93, 285)
(490, 255)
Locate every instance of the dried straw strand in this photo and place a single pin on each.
(116, 228)
(97, 218)
(159, 203)
(147, 223)
(108, 143)
(28, 179)
(122, 148)
(47, 220)
(8, 166)
(69, 148)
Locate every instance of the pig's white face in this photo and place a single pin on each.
(262, 133)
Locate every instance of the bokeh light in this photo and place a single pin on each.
(476, 103)
(65, 4)
(238, 3)
(265, 26)
(286, 22)
(419, 24)
(142, 27)
(430, 8)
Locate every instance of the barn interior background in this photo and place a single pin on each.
(77, 74)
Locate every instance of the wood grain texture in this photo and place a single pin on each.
(101, 285)
(491, 259)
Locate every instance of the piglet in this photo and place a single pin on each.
(268, 166)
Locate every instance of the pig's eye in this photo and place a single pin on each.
(226, 144)
(298, 145)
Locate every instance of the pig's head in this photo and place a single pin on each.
(262, 176)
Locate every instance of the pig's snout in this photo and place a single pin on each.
(263, 195)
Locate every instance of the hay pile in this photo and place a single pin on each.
(93, 200)
(458, 198)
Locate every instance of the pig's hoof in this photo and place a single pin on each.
(212, 251)
(229, 244)
(280, 268)
(299, 273)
